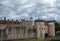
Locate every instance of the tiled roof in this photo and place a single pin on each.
(39, 21)
(9, 22)
(43, 21)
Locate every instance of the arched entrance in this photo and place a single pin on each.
(46, 35)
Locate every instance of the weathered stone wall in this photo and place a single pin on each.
(40, 30)
(26, 29)
(51, 29)
(43, 29)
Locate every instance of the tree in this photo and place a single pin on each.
(57, 26)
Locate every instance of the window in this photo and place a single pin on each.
(46, 24)
(29, 31)
(43, 28)
(9, 29)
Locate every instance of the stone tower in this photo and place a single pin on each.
(39, 25)
(51, 28)
(43, 29)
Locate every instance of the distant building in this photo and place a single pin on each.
(25, 29)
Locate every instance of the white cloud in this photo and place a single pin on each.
(26, 8)
(49, 1)
(51, 15)
(23, 1)
(24, 15)
(44, 17)
(6, 2)
(27, 5)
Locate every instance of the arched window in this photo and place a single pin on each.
(9, 29)
(29, 32)
(24, 28)
(17, 30)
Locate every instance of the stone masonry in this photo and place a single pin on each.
(25, 29)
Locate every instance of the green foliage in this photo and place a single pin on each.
(57, 26)
(56, 39)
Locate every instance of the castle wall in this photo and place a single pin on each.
(26, 30)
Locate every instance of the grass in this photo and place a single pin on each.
(31, 40)
(56, 39)
(28, 40)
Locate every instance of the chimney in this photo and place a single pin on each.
(8, 20)
(12, 21)
(31, 18)
(16, 20)
(5, 18)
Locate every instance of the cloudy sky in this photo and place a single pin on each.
(17, 9)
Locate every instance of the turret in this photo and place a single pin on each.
(4, 18)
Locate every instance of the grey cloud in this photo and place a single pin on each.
(35, 8)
